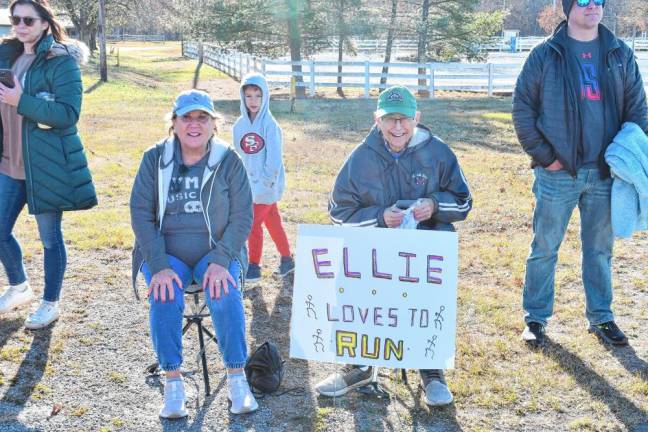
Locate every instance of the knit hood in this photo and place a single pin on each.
(259, 81)
(567, 5)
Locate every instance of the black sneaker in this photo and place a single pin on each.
(534, 334)
(338, 384)
(253, 273)
(286, 266)
(609, 332)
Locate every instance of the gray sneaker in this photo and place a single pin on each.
(434, 385)
(338, 384)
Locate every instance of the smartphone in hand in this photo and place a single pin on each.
(6, 78)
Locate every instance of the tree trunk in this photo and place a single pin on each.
(341, 38)
(390, 43)
(93, 41)
(103, 62)
(421, 52)
(201, 56)
(294, 43)
(84, 34)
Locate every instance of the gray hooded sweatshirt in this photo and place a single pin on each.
(260, 144)
(225, 200)
(372, 180)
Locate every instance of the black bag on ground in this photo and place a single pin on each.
(264, 369)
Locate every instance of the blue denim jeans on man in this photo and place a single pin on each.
(13, 197)
(557, 194)
(227, 316)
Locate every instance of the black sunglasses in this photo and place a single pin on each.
(29, 21)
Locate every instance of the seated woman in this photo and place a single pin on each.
(191, 211)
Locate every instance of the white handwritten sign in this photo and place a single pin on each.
(375, 296)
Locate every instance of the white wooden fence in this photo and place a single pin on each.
(497, 43)
(135, 37)
(489, 78)
(527, 43)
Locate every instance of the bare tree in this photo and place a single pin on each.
(549, 18)
(421, 51)
(84, 15)
(633, 18)
(391, 30)
(103, 63)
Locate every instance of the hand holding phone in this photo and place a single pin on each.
(7, 78)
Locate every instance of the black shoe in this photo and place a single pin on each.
(609, 332)
(253, 273)
(286, 266)
(534, 334)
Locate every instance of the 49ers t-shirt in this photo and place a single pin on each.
(184, 228)
(590, 97)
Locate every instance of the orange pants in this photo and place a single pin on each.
(268, 214)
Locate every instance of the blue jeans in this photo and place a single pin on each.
(13, 197)
(557, 193)
(227, 316)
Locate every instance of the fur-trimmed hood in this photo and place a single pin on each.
(71, 47)
(74, 48)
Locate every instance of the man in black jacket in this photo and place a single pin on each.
(575, 91)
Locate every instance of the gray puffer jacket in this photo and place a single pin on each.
(226, 200)
(546, 112)
(372, 180)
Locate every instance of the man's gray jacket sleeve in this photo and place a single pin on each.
(346, 205)
(453, 201)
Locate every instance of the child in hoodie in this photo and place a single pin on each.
(257, 139)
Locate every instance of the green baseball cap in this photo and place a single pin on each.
(396, 100)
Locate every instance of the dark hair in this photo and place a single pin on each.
(45, 12)
(252, 86)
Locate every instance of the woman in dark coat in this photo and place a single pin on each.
(43, 163)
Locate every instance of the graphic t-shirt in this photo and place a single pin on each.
(588, 56)
(184, 227)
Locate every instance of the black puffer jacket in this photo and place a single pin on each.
(545, 107)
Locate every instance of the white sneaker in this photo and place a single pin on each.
(238, 392)
(174, 400)
(47, 313)
(16, 295)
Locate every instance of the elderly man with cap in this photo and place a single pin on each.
(575, 91)
(399, 164)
